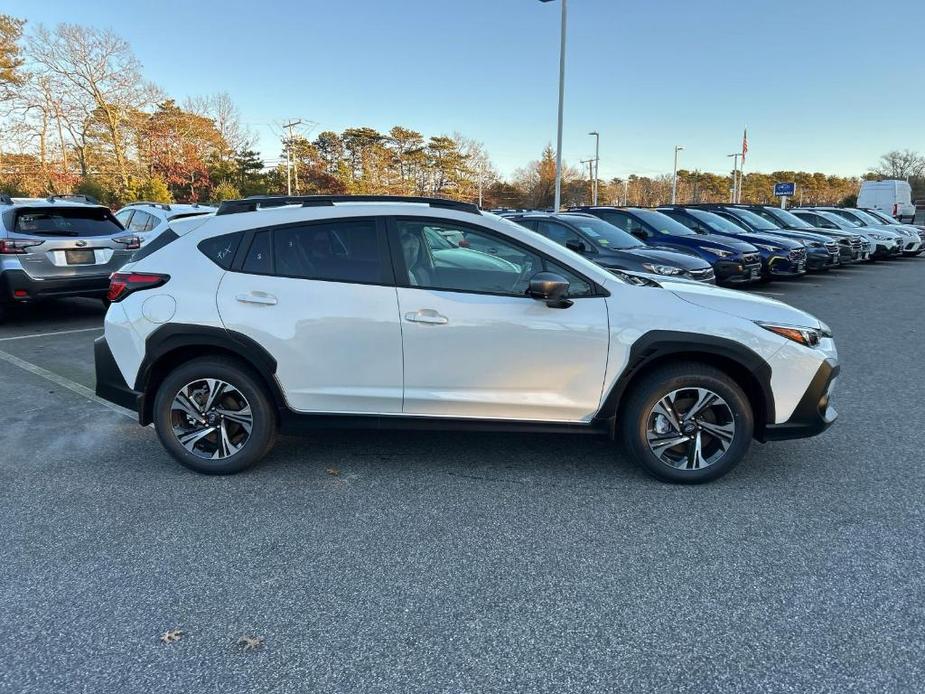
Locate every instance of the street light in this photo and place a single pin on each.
(561, 100)
(735, 173)
(674, 180)
(597, 164)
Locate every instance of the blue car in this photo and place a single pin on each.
(734, 262)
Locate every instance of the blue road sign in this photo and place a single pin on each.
(785, 189)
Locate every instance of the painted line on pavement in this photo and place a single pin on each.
(58, 332)
(72, 386)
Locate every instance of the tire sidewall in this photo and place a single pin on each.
(264, 423)
(646, 398)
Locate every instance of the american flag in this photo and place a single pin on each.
(744, 144)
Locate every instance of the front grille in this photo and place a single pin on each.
(798, 254)
(750, 258)
(831, 247)
(705, 275)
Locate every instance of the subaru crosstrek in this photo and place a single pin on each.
(335, 311)
(58, 247)
(734, 262)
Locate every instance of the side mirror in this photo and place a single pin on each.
(575, 245)
(551, 288)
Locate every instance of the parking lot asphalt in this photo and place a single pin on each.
(467, 562)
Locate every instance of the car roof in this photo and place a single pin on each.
(51, 202)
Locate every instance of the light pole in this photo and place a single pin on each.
(674, 179)
(735, 173)
(597, 165)
(558, 202)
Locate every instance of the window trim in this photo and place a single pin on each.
(401, 271)
(385, 259)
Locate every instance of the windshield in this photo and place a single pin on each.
(755, 221)
(867, 218)
(715, 222)
(838, 220)
(884, 219)
(788, 219)
(663, 223)
(604, 234)
(66, 221)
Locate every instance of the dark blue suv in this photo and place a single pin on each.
(780, 257)
(733, 261)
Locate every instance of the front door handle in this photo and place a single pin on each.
(427, 315)
(261, 298)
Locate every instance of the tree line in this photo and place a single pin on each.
(78, 116)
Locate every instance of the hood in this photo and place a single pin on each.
(801, 235)
(739, 304)
(727, 243)
(772, 239)
(665, 256)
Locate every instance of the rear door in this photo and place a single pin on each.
(320, 297)
(76, 241)
(475, 345)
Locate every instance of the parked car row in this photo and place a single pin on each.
(731, 245)
(70, 245)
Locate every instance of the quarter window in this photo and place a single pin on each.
(338, 251)
(139, 221)
(259, 260)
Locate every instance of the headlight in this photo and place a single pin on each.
(879, 237)
(767, 247)
(663, 269)
(808, 337)
(718, 251)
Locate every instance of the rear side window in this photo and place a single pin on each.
(66, 221)
(168, 236)
(259, 259)
(346, 251)
(219, 249)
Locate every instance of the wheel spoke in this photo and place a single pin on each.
(242, 416)
(660, 445)
(224, 447)
(216, 389)
(183, 403)
(665, 407)
(189, 439)
(705, 398)
(723, 433)
(695, 454)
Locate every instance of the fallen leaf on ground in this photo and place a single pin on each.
(172, 635)
(250, 643)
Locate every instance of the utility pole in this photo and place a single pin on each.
(564, 21)
(290, 160)
(590, 163)
(626, 192)
(597, 165)
(735, 174)
(674, 179)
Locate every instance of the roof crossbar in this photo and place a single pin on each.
(76, 197)
(257, 202)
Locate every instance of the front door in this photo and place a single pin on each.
(475, 345)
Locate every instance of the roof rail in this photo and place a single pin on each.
(256, 202)
(5, 199)
(77, 197)
(160, 205)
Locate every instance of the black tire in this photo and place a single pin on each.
(652, 387)
(237, 374)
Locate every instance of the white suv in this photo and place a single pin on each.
(148, 219)
(333, 311)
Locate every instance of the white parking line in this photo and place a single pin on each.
(74, 387)
(57, 332)
(770, 293)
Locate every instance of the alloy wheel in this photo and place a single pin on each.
(690, 428)
(211, 418)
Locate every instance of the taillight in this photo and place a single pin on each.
(15, 247)
(132, 243)
(121, 284)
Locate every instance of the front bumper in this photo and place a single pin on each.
(814, 413)
(783, 266)
(735, 272)
(110, 384)
(821, 259)
(17, 281)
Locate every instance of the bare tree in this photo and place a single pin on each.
(98, 71)
(227, 118)
(900, 165)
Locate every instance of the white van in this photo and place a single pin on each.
(892, 197)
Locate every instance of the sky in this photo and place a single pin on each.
(821, 85)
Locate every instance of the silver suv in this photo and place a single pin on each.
(58, 246)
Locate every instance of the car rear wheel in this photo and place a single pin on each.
(214, 416)
(687, 422)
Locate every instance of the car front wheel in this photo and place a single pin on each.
(687, 422)
(214, 416)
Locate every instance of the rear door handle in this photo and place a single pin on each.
(261, 298)
(427, 315)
